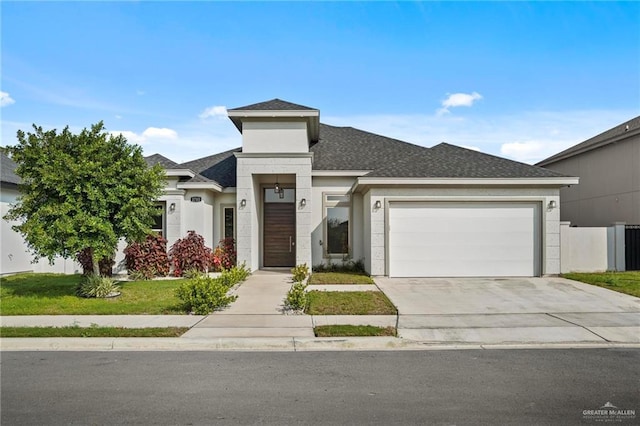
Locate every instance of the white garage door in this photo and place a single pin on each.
(444, 239)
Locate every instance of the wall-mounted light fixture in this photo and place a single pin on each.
(552, 204)
(378, 204)
(243, 202)
(303, 202)
(281, 193)
(172, 207)
(276, 188)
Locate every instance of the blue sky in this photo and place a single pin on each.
(522, 80)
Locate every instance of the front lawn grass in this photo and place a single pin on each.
(627, 282)
(339, 278)
(353, 330)
(55, 294)
(349, 303)
(91, 332)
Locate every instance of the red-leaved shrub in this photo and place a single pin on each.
(190, 253)
(105, 265)
(148, 257)
(224, 256)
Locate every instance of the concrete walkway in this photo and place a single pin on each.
(258, 312)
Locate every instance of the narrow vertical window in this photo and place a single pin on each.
(159, 220)
(337, 213)
(228, 222)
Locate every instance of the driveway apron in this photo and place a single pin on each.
(511, 310)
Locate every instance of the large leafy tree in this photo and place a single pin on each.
(82, 192)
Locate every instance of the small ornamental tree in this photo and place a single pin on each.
(190, 253)
(82, 192)
(148, 258)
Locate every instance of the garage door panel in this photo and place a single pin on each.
(463, 239)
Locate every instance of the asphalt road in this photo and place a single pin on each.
(423, 387)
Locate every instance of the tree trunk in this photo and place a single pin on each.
(94, 263)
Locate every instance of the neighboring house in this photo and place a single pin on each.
(299, 191)
(609, 169)
(14, 256)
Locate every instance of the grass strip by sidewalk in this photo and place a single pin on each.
(349, 303)
(353, 331)
(339, 278)
(623, 282)
(91, 332)
(55, 294)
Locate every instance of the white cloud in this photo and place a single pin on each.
(150, 134)
(6, 99)
(160, 132)
(130, 136)
(459, 99)
(214, 111)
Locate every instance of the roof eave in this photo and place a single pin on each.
(180, 172)
(362, 183)
(572, 152)
(212, 186)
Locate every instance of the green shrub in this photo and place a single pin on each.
(97, 286)
(300, 273)
(203, 295)
(296, 299)
(344, 266)
(193, 273)
(236, 274)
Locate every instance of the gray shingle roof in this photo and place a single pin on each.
(220, 168)
(346, 148)
(8, 170)
(613, 133)
(154, 159)
(450, 161)
(273, 105)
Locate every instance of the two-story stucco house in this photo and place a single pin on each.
(609, 169)
(299, 191)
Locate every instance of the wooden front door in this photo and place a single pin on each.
(279, 234)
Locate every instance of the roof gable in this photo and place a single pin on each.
(220, 168)
(154, 159)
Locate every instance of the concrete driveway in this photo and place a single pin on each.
(511, 310)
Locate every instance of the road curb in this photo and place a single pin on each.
(277, 344)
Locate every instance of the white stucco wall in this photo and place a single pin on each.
(609, 189)
(376, 229)
(14, 256)
(258, 136)
(592, 249)
(337, 186)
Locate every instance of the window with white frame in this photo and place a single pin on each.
(160, 220)
(337, 224)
